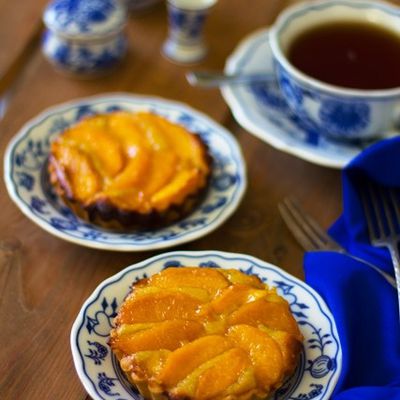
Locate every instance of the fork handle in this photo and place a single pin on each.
(394, 253)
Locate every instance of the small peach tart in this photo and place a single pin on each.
(129, 170)
(205, 333)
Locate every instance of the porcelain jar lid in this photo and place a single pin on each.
(85, 19)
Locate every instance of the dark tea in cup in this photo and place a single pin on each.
(349, 54)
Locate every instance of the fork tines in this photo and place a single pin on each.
(382, 212)
(305, 229)
(381, 208)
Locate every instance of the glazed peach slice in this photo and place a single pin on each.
(105, 152)
(214, 376)
(274, 315)
(153, 132)
(224, 373)
(157, 307)
(273, 296)
(186, 359)
(76, 172)
(290, 348)
(233, 297)
(124, 199)
(246, 383)
(168, 335)
(133, 173)
(264, 352)
(123, 127)
(183, 183)
(162, 167)
(188, 144)
(209, 279)
(236, 276)
(98, 121)
(197, 293)
(145, 363)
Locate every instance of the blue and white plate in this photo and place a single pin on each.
(261, 109)
(28, 186)
(320, 362)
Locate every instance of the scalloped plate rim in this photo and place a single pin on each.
(226, 256)
(190, 236)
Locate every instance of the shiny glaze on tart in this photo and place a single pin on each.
(205, 333)
(129, 169)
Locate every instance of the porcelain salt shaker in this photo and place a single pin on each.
(84, 37)
(185, 42)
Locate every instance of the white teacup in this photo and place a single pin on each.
(338, 112)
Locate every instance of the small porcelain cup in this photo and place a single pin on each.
(336, 112)
(185, 42)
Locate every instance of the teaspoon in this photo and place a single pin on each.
(211, 79)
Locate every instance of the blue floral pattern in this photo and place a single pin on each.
(344, 118)
(188, 24)
(269, 95)
(101, 322)
(293, 93)
(106, 384)
(315, 391)
(320, 361)
(84, 58)
(97, 353)
(82, 13)
(185, 42)
(29, 185)
(26, 180)
(336, 117)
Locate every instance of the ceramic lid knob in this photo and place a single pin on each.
(85, 18)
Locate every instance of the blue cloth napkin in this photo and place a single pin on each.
(363, 303)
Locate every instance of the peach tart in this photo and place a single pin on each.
(129, 170)
(205, 333)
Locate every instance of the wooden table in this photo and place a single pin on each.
(44, 282)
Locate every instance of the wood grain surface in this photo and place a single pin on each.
(44, 280)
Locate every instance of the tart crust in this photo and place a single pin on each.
(129, 170)
(204, 333)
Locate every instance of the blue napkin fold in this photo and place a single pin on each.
(363, 303)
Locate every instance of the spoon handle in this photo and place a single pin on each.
(211, 79)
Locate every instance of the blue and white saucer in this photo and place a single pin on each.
(319, 365)
(27, 182)
(261, 109)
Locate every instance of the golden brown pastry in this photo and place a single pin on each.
(124, 170)
(205, 333)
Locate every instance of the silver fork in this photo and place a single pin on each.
(312, 237)
(305, 229)
(382, 211)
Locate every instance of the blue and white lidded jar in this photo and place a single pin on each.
(84, 37)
